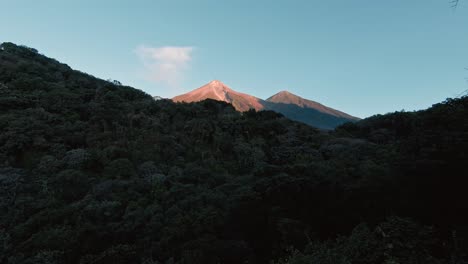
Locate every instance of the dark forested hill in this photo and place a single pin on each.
(95, 172)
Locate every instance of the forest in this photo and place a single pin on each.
(92, 171)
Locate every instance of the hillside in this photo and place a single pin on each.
(288, 104)
(96, 172)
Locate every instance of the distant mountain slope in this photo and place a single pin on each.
(285, 97)
(286, 103)
(219, 91)
(307, 111)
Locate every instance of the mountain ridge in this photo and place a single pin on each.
(284, 102)
(219, 91)
(287, 97)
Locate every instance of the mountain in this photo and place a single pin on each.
(285, 97)
(219, 91)
(307, 111)
(286, 103)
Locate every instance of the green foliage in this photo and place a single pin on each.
(396, 240)
(92, 171)
(69, 185)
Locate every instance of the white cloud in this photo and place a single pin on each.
(165, 64)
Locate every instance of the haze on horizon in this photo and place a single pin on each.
(362, 57)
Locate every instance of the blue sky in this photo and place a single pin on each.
(363, 56)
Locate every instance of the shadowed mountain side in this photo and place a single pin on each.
(309, 116)
(285, 97)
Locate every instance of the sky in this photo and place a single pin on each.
(363, 57)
